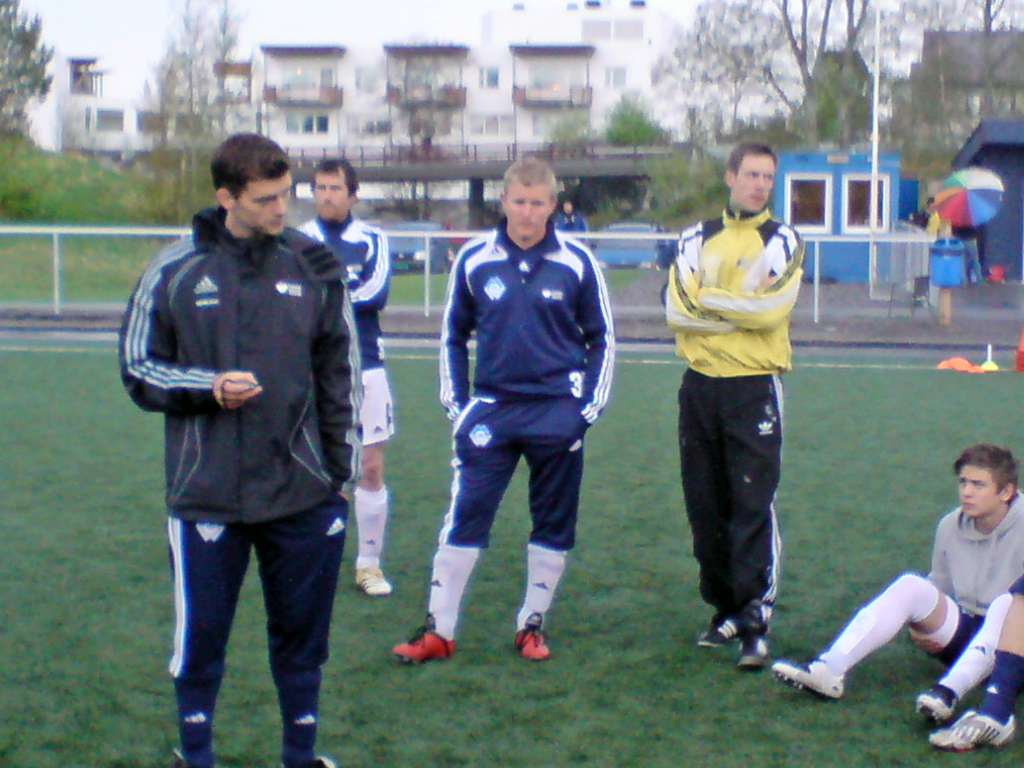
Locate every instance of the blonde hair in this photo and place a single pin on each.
(530, 171)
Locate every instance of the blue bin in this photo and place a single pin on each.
(947, 263)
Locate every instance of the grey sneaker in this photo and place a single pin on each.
(937, 704)
(753, 653)
(814, 677)
(973, 729)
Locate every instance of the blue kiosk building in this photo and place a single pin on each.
(826, 196)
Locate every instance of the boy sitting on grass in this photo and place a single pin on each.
(956, 613)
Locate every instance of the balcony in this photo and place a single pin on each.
(453, 96)
(553, 96)
(304, 96)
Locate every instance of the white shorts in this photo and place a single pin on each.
(377, 415)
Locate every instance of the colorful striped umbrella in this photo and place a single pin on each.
(969, 197)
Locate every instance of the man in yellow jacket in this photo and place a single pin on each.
(732, 288)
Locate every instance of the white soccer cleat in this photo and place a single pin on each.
(973, 730)
(814, 677)
(371, 581)
(937, 704)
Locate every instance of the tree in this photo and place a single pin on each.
(719, 66)
(24, 60)
(843, 98)
(631, 125)
(685, 187)
(189, 107)
(571, 132)
(970, 67)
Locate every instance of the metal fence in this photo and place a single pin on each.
(895, 259)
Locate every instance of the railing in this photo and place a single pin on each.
(468, 154)
(895, 257)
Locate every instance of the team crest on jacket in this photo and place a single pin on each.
(480, 435)
(494, 288)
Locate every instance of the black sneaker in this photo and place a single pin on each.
(753, 653)
(719, 632)
(753, 619)
(937, 704)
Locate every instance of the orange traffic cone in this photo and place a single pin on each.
(1019, 362)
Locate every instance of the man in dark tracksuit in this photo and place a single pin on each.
(537, 303)
(242, 335)
(731, 290)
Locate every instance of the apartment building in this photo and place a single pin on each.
(535, 66)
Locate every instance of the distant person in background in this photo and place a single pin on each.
(536, 302)
(568, 219)
(972, 262)
(362, 252)
(934, 224)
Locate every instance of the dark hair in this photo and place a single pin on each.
(246, 157)
(996, 459)
(748, 148)
(343, 167)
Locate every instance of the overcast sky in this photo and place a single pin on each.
(129, 37)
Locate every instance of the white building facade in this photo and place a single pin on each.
(536, 66)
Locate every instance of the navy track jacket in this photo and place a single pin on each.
(542, 320)
(212, 303)
(365, 257)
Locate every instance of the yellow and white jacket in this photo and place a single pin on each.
(731, 290)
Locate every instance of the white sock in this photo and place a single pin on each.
(908, 599)
(544, 569)
(452, 568)
(371, 520)
(978, 659)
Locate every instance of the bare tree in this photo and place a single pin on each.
(719, 66)
(188, 111)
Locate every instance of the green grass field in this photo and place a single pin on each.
(87, 601)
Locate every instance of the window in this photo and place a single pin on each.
(488, 77)
(633, 29)
(856, 205)
(367, 80)
(594, 31)
(551, 76)
(544, 124)
(149, 123)
(809, 202)
(491, 125)
(297, 78)
(375, 125)
(308, 124)
(109, 120)
(615, 77)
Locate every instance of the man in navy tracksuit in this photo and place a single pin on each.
(242, 335)
(363, 252)
(537, 303)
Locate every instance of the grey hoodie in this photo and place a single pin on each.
(974, 567)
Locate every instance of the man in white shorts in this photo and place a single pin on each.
(363, 252)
